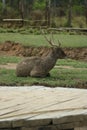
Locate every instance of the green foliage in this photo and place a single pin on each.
(78, 10)
(79, 22)
(39, 4)
(58, 7)
(78, 2)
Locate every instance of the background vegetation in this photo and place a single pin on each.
(54, 13)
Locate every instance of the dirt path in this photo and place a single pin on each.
(9, 66)
(13, 66)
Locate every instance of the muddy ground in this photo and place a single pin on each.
(16, 49)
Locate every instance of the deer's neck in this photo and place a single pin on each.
(49, 61)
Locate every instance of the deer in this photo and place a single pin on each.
(40, 66)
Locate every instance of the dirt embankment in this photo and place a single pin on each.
(16, 49)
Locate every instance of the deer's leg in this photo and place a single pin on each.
(37, 74)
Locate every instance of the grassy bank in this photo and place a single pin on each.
(39, 40)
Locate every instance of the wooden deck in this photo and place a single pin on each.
(40, 108)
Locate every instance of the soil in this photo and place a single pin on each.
(16, 49)
(9, 66)
(13, 66)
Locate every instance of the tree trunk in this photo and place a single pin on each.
(47, 12)
(86, 11)
(4, 4)
(4, 11)
(21, 8)
(69, 22)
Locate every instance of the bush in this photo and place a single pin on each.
(39, 4)
(78, 10)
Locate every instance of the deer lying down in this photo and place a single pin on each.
(40, 66)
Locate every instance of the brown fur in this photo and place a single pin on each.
(39, 66)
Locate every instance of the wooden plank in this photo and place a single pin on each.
(37, 106)
(54, 101)
(33, 109)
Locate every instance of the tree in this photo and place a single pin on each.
(21, 8)
(47, 12)
(4, 3)
(39, 4)
(86, 10)
(69, 22)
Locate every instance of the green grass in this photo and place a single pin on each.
(72, 63)
(9, 59)
(60, 62)
(38, 40)
(59, 76)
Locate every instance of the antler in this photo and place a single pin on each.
(49, 40)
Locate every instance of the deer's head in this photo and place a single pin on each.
(56, 49)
